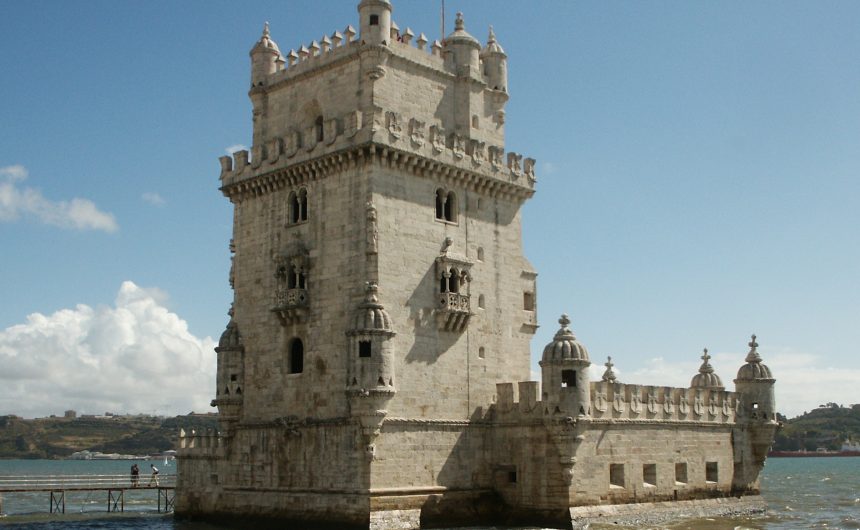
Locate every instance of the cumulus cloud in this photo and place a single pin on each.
(77, 213)
(153, 198)
(235, 147)
(134, 357)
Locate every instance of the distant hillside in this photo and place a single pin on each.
(826, 427)
(60, 437)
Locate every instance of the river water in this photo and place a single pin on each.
(802, 493)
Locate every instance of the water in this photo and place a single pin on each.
(802, 494)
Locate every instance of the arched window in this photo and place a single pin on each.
(318, 128)
(454, 281)
(303, 204)
(446, 205)
(296, 356)
(297, 206)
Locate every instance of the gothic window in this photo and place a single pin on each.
(446, 205)
(318, 128)
(297, 206)
(296, 356)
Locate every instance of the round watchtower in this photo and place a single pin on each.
(495, 63)
(564, 369)
(755, 386)
(375, 16)
(264, 58)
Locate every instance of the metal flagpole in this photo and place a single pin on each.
(442, 27)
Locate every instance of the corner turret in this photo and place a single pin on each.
(265, 58)
(230, 377)
(495, 63)
(375, 16)
(755, 384)
(462, 51)
(564, 369)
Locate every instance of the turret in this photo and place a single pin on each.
(756, 423)
(265, 58)
(230, 377)
(755, 386)
(706, 378)
(375, 16)
(564, 369)
(495, 63)
(462, 51)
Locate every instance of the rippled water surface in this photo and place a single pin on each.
(802, 493)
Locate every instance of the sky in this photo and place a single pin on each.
(698, 168)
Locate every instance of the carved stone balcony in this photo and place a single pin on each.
(291, 305)
(453, 312)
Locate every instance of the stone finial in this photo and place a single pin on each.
(314, 48)
(459, 23)
(706, 366)
(407, 35)
(370, 292)
(336, 38)
(422, 41)
(491, 38)
(292, 58)
(303, 53)
(325, 43)
(753, 356)
(266, 29)
(436, 48)
(564, 346)
(350, 33)
(609, 374)
(564, 320)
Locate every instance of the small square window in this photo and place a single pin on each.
(364, 348)
(374, 20)
(616, 475)
(568, 378)
(681, 473)
(649, 474)
(512, 477)
(529, 301)
(711, 474)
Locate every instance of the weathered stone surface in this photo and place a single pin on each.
(374, 370)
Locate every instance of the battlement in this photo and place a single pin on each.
(619, 402)
(488, 167)
(208, 443)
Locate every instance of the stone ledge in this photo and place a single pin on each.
(659, 512)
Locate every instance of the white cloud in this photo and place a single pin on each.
(235, 147)
(135, 357)
(77, 213)
(548, 168)
(153, 198)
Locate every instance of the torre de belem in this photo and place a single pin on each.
(373, 373)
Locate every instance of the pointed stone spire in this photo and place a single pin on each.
(609, 374)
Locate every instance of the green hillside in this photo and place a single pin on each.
(826, 427)
(60, 437)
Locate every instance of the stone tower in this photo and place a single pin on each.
(374, 370)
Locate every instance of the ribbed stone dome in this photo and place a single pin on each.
(370, 315)
(754, 369)
(564, 346)
(231, 339)
(706, 378)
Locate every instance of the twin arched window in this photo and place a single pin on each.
(446, 205)
(451, 280)
(297, 206)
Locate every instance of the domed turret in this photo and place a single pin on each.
(495, 64)
(755, 386)
(706, 378)
(564, 368)
(231, 339)
(371, 357)
(265, 57)
(464, 49)
(375, 16)
(564, 346)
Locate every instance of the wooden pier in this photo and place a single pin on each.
(114, 488)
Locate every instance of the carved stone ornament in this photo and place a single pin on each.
(416, 132)
(256, 156)
(529, 169)
(636, 404)
(713, 407)
(477, 152)
(352, 124)
(331, 131)
(372, 229)
(458, 146)
(652, 402)
(698, 406)
(291, 144)
(668, 406)
(309, 138)
(618, 403)
(392, 122)
(600, 402)
(275, 149)
(683, 405)
(727, 408)
(496, 154)
(437, 138)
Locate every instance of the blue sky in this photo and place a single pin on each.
(698, 170)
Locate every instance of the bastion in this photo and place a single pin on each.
(373, 373)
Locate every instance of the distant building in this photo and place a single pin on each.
(386, 310)
(70, 414)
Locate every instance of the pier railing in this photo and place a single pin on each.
(115, 487)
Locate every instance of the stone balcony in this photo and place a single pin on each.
(291, 305)
(453, 312)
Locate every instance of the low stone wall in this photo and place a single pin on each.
(649, 513)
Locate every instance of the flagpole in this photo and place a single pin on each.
(442, 26)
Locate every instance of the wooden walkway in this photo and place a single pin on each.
(114, 486)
